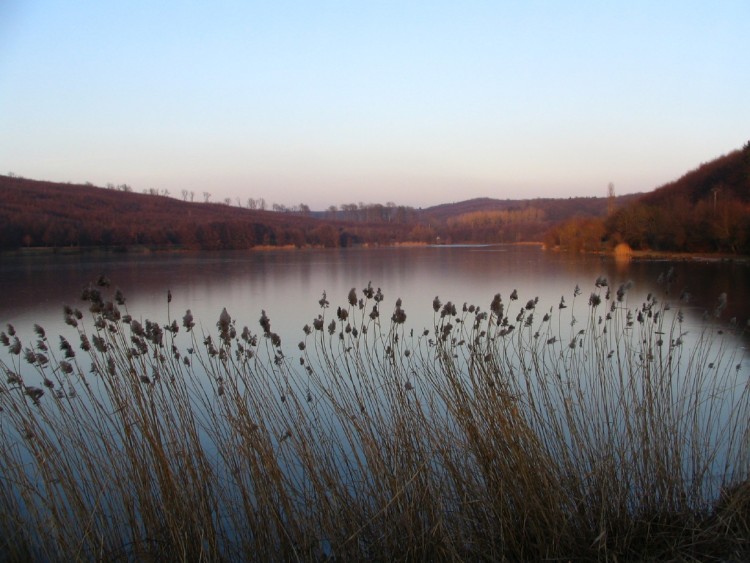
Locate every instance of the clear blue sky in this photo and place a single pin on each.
(372, 101)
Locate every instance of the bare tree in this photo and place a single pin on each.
(184, 195)
(206, 196)
(192, 195)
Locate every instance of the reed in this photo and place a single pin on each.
(514, 432)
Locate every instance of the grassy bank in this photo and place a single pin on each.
(511, 430)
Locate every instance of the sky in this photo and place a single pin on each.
(373, 101)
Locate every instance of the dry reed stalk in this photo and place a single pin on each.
(512, 433)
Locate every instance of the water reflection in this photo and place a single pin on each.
(287, 284)
(581, 397)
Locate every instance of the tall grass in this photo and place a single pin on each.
(511, 432)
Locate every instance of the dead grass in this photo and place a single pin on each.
(511, 433)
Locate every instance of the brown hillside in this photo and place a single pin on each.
(706, 210)
(555, 209)
(37, 213)
(727, 176)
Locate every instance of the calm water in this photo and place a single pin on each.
(288, 284)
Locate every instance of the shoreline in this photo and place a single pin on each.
(645, 255)
(656, 255)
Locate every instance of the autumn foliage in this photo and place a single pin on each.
(47, 214)
(707, 210)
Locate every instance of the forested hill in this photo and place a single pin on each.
(725, 178)
(48, 214)
(555, 209)
(706, 210)
(36, 213)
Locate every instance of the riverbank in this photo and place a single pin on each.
(629, 254)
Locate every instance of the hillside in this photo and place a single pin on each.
(555, 209)
(493, 220)
(36, 213)
(706, 210)
(725, 178)
(48, 214)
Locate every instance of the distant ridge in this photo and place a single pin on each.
(727, 176)
(556, 209)
(707, 209)
(40, 213)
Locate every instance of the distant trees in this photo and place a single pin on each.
(423, 233)
(301, 209)
(680, 225)
(61, 215)
(580, 234)
(506, 225)
(157, 192)
(706, 210)
(326, 236)
(258, 203)
(372, 213)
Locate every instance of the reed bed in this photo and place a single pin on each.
(511, 431)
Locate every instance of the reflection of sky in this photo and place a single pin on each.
(288, 284)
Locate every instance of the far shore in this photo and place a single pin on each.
(138, 249)
(656, 255)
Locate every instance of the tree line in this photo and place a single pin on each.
(706, 210)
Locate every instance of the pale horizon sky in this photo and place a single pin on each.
(325, 103)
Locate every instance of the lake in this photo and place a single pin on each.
(617, 403)
(288, 284)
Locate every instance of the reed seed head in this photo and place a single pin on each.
(265, 323)
(187, 320)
